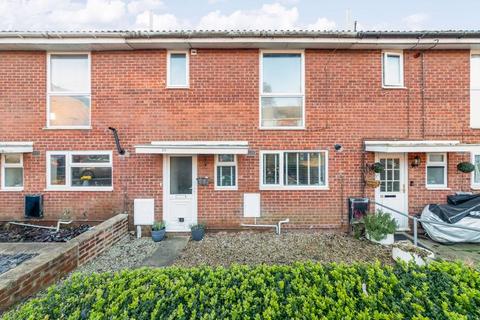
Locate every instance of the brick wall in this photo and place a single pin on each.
(345, 103)
(52, 264)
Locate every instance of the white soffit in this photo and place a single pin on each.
(193, 147)
(16, 147)
(419, 146)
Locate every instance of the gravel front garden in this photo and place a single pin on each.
(264, 247)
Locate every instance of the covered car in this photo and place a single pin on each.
(461, 210)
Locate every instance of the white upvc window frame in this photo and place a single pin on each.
(281, 185)
(474, 110)
(187, 69)
(443, 164)
(5, 166)
(68, 173)
(282, 95)
(385, 54)
(234, 164)
(475, 186)
(50, 93)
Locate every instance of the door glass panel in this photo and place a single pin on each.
(181, 175)
(390, 177)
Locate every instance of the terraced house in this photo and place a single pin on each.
(230, 127)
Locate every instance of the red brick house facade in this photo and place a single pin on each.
(255, 113)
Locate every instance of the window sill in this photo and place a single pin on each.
(178, 87)
(475, 187)
(282, 128)
(273, 188)
(437, 188)
(11, 190)
(68, 128)
(89, 189)
(394, 87)
(226, 189)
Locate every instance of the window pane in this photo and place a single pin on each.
(476, 175)
(282, 73)
(226, 158)
(271, 173)
(13, 177)
(90, 158)
(69, 73)
(180, 175)
(282, 112)
(303, 168)
(226, 176)
(57, 170)
(475, 72)
(392, 72)
(291, 168)
(69, 110)
(435, 175)
(435, 157)
(178, 69)
(314, 168)
(91, 177)
(11, 158)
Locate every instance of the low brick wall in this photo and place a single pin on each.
(54, 261)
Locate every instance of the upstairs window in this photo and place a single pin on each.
(293, 169)
(177, 69)
(68, 91)
(12, 171)
(226, 172)
(282, 96)
(436, 170)
(475, 91)
(392, 66)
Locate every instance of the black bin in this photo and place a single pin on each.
(357, 208)
(33, 206)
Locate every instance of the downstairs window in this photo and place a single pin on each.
(79, 170)
(12, 171)
(293, 169)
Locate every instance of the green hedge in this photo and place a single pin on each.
(302, 291)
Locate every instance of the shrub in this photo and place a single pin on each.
(158, 225)
(440, 290)
(198, 226)
(379, 224)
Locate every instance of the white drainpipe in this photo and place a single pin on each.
(277, 227)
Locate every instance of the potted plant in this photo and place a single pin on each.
(405, 251)
(466, 167)
(377, 167)
(198, 231)
(380, 227)
(158, 231)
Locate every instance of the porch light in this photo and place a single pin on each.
(416, 162)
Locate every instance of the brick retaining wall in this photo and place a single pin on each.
(54, 261)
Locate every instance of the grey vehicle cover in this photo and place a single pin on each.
(462, 210)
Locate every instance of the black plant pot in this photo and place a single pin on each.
(198, 234)
(158, 235)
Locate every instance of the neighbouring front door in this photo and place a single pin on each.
(179, 192)
(393, 187)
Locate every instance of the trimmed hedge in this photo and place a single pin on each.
(441, 290)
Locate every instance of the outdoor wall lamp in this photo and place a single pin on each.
(416, 162)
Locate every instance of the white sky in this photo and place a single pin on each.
(239, 14)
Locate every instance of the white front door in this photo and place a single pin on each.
(179, 192)
(393, 186)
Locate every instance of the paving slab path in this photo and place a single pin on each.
(466, 252)
(168, 250)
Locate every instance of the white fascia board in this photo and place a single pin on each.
(200, 143)
(424, 149)
(149, 149)
(412, 142)
(16, 147)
